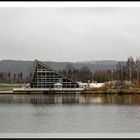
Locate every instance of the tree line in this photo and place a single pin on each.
(130, 71)
(125, 71)
(7, 77)
(84, 74)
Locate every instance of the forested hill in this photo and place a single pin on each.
(16, 66)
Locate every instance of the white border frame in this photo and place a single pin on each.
(69, 4)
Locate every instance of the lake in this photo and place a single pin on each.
(69, 113)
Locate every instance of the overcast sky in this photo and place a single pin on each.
(69, 34)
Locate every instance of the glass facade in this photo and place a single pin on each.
(45, 77)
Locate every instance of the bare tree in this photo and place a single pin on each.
(137, 67)
(130, 67)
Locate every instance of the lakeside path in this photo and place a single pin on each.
(6, 92)
(109, 91)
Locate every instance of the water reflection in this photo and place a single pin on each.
(71, 99)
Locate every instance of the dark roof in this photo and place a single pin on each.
(46, 66)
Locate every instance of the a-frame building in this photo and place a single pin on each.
(44, 76)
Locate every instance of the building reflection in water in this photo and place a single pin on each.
(71, 99)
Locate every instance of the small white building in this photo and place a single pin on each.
(91, 85)
(57, 85)
(83, 85)
(97, 85)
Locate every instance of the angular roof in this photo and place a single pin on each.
(47, 67)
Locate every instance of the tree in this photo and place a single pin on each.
(8, 77)
(21, 76)
(137, 67)
(14, 78)
(1, 76)
(130, 67)
(69, 70)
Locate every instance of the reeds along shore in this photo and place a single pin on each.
(112, 91)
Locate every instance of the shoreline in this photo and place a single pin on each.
(6, 92)
(84, 92)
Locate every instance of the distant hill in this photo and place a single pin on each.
(16, 66)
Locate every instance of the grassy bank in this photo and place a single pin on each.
(9, 87)
(113, 91)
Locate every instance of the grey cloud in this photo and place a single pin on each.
(69, 34)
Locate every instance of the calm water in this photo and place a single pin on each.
(69, 113)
